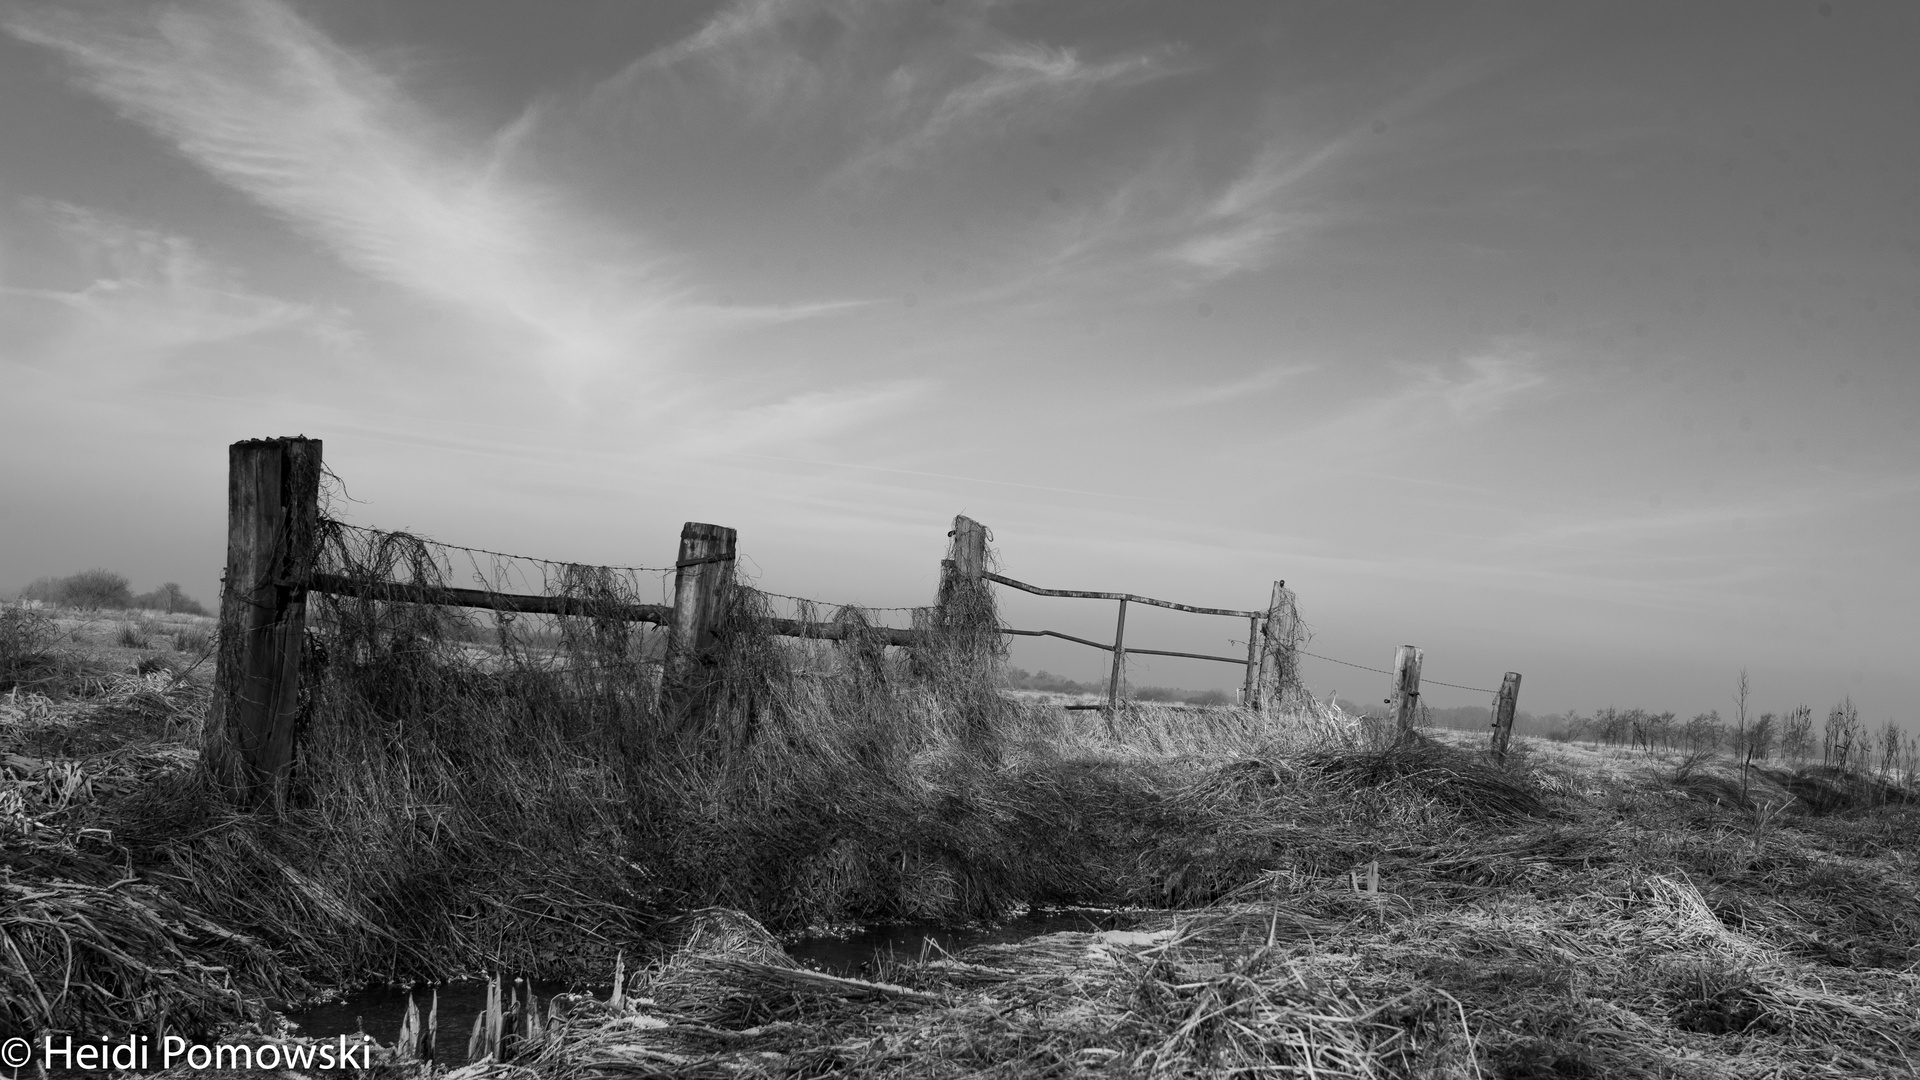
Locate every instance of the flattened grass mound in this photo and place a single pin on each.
(1421, 768)
(1623, 976)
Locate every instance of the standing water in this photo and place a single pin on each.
(378, 1010)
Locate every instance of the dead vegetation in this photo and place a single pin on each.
(1326, 900)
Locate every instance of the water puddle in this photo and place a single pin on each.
(378, 1010)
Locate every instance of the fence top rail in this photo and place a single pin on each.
(1131, 598)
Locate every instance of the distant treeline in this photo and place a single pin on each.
(96, 589)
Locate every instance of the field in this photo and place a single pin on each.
(1308, 895)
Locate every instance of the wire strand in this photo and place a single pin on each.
(1331, 660)
(829, 604)
(1382, 671)
(1457, 686)
(503, 554)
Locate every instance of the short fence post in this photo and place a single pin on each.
(1119, 661)
(703, 576)
(1406, 687)
(273, 515)
(969, 555)
(1276, 648)
(961, 607)
(1250, 695)
(1504, 704)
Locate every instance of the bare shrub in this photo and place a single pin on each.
(171, 599)
(26, 643)
(95, 589)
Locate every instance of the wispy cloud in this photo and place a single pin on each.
(1240, 389)
(1013, 85)
(892, 87)
(799, 420)
(1244, 227)
(333, 143)
(1434, 396)
(152, 295)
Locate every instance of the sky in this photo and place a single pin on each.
(1575, 340)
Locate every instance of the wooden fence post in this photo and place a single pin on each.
(1276, 648)
(961, 619)
(703, 576)
(969, 552)
(1504, 704)
(1119, 662)
(1256, 635)
(273, 514)
(1406, 687)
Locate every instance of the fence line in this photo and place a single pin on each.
(1128, 597)
(1127, 649)
(1271, 640)
(275, 536)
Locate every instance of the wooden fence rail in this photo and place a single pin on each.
(1268, 660)
(1123, 597)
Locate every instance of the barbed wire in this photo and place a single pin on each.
(504, 554)
(1383, 671)
(836, 607)
(1457, 686)
(1331, 660)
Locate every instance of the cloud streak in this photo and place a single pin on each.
(332, 144)
(153, 295)
(1018, 83)
(893, 88)
(1433, 397)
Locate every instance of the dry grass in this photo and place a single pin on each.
(1330, 902)
(1616, 934)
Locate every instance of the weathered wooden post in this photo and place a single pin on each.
(1278, 631)
(273, 514)
(1119, 663)
(1504, 704)
(961, 607)
(703, 576)
(969, 557)
(1250, 694)
(1406, 687)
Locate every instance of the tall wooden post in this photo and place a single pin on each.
(1119, 661)
(273, 513)
(1276, 648)
(703, 575)
(1406, 687)
(1250, 695)
(1504, 704)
